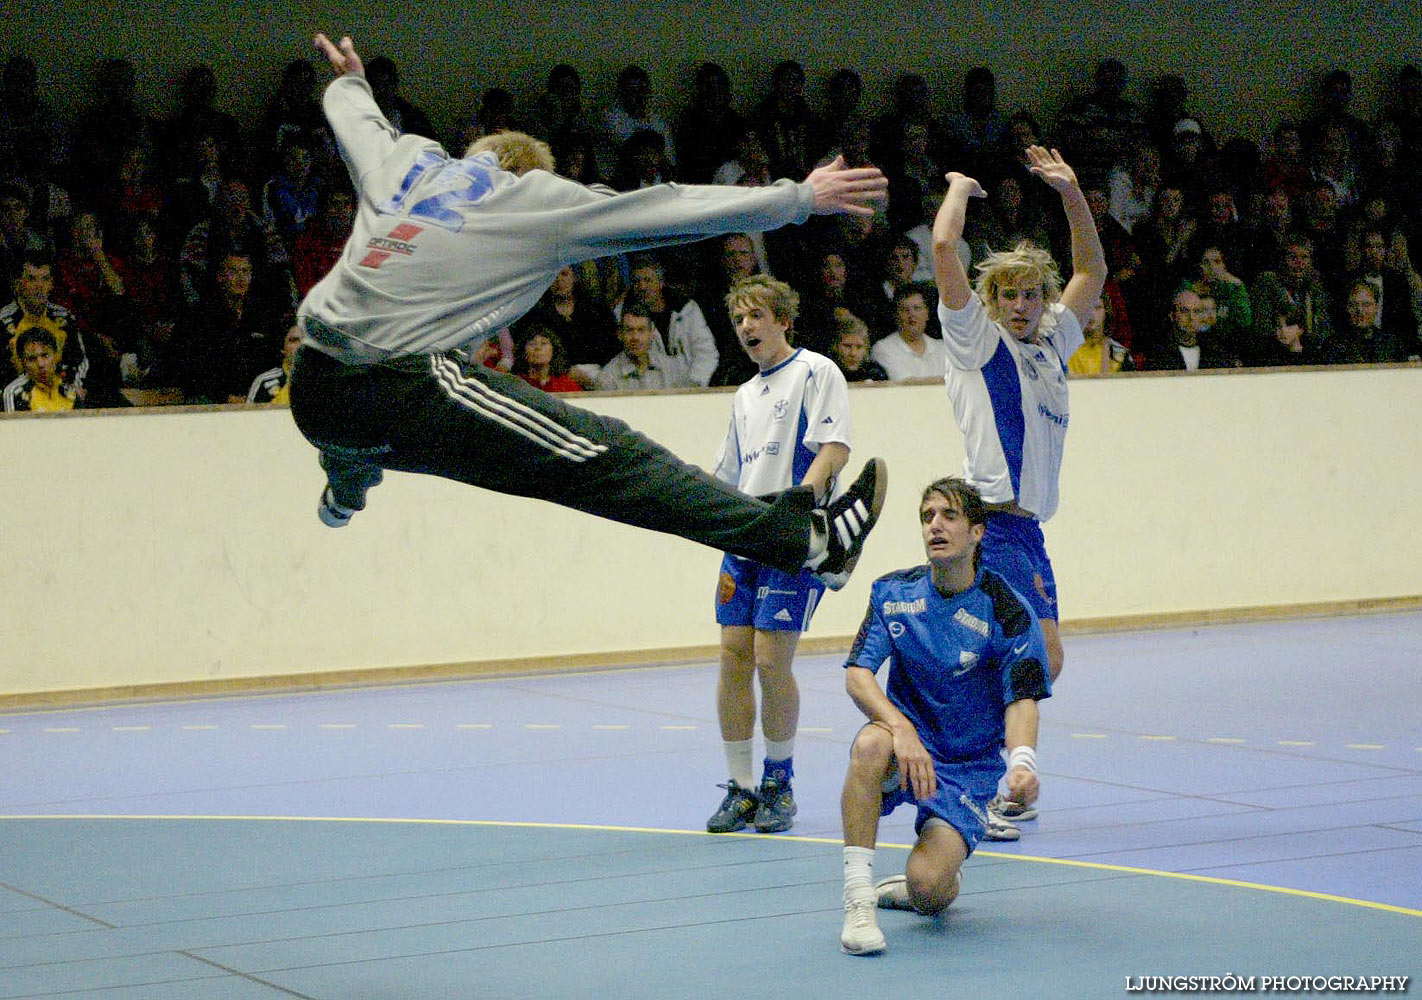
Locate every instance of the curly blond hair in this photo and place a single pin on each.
(518, 152)
(1026, 263)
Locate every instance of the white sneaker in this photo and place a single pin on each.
(1000, 829)
(1010, 810)
(894, 894)
(861, 934)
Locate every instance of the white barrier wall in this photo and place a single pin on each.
(176, 547)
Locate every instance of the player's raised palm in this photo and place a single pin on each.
(1049, 165)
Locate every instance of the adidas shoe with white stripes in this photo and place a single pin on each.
(850, 519)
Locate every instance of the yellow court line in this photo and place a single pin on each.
(605, 828)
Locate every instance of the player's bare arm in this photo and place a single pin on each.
(954, 288)
(1020, 724)
(828, 461)
(1088, 259)
(915, 765)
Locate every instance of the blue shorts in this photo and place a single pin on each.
(964, 788)
(764, 598)
(1014, 549)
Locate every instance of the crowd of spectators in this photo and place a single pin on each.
(162, 259)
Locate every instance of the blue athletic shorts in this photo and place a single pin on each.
(1014, 549)
(749, 593)
(964, 788)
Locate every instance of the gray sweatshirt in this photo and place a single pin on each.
(446, 251)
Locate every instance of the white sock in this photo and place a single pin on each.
(740, 761)
(858, 872)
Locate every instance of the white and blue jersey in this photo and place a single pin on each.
(1010, 400)
(779, 421)
(955, 663)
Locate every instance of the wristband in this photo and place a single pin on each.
(1023, 756)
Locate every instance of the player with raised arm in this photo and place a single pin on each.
(1008, 340)
(447, 251)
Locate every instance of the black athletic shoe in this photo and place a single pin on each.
(737, 809)
(777, 807)
(850, 519)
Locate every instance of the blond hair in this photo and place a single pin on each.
(518, 152)
(762, 290)
(1025, 263)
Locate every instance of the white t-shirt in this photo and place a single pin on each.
(1010, 400)
(900, 361)
(779, 420)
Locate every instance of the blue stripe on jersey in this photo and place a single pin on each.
(803, 455)
(1004, 389)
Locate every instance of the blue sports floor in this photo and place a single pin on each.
(1240, 800)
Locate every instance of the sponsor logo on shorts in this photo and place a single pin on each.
(973, 808)
(896, 629)
(967, 661)
(962, 617)
(784, 615)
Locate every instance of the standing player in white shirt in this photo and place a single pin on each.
(1008, 341)
(789, 428)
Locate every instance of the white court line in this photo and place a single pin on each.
(609, 727)
(131, 729)
(474, 725)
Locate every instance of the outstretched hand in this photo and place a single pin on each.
(343, 58)
(1049, 165)
(842, 189)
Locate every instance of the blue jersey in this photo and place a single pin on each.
(955, 663)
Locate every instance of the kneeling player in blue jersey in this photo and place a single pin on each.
(969, 665)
